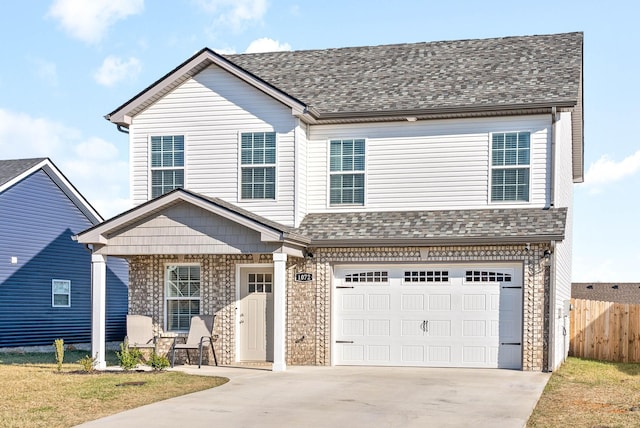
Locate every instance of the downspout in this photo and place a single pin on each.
(551, 355)
(126, 131)
(552, 156)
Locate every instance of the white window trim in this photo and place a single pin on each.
(491, 167)
(363, 172)
(275, 165)
(53, 293)
(165, 297)
(150, 168)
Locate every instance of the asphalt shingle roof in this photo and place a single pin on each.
(9, 169)
(487, 225)
(619, 292)
(450, 74)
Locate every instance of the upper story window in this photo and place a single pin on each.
(258, 165)
(510, 166)
(346, 172)
(167, 164)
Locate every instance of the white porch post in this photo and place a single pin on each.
(279, 312)
(98, 309)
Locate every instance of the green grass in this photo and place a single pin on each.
(35, 394)
(587, 393)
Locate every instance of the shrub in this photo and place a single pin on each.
(58, 344)
(128, 358)
(88, 364)
(158, 362)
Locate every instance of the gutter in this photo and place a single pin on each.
(552, 156)
(551, 354)
(433, 242)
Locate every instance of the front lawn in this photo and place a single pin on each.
(586, 393)
(35, 394)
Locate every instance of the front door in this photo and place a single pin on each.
(256, 314)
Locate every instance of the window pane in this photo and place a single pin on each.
(510, 184)
(60, 300)
(346, 189)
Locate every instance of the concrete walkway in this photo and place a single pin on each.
(350, 397)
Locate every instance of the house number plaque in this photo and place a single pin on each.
(304, 277)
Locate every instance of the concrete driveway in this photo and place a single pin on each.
(350, 397)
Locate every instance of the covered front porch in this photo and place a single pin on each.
(190, 254)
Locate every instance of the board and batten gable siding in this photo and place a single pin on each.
(563, 198)
(186, 229)
(211, 110)
(37, 221)
(423, 165)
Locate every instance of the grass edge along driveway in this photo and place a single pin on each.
(35, 394)
(587, 393)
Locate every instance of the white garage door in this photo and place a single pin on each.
(432, 316)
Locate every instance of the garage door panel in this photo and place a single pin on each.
(452, 318)
(379, 327)
(440, 302)
(352, 302)
(411, 327)
(439, 328)
(379, 302)
(412, 302)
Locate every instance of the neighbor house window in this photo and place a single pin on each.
(167, 164)
(182, 295)
(60, 293)
(510, 165)
(258, 165)
(346, 172)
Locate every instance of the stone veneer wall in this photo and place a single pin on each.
(309, 303)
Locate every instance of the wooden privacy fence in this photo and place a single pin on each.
(605, 331)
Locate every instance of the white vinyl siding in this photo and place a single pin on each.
(563, 256)
(211, 110)
(182, 285)
(423, 165)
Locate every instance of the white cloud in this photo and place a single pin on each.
(89, 20)
(46, 71)
(98, 168)
(235, 13)
(114, 70)
(605, 170)
(266, 44)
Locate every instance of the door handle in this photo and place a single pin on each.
(425, 326)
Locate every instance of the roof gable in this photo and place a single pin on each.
(15, 170)
(269, 231)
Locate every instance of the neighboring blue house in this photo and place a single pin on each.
(45, 277)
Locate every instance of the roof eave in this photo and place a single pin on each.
(433, 242)
(315, 116)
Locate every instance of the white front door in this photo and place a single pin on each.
(256, 314)
(429, 315)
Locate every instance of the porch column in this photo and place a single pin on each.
(98, 309)
(279, 311)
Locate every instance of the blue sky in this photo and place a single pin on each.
(67, 63)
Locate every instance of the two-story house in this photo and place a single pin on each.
(392, 205)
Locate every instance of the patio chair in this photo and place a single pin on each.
(140, 332)
(200, 337)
